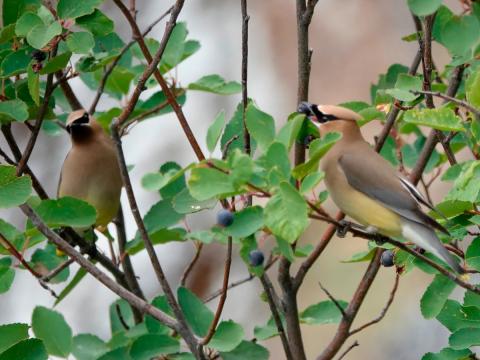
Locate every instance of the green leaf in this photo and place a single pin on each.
(464, 338)
(40, 35)
(286, 213)
(435, 296)
(310, 181)
(246, 350)
(441, 119)
(466, 187)
(57, 63)
(120, 309)
(176, 45)
(15, 62)
(72, 9)
(318, 148)
(152, 324)
(149, 346)
(289, 132)
(26, 22)
(206, 183)
(424, 7)
(160, 216)
(14, 190)
(242, 167)
(7, 274)
(34, 85)
(13, 110)
(361, 256)
(88, 347)
(228, 336)
(455, 316)
(472, 87)
(97, 23)
(472, 255)
(403, 87)
(246, 222)
(79, 275)
(177, 182)
(215, 131)
(80, 42)
(233, 131)
(29, 349)
(184, 203)
(276, 162)
(45, 260)
(325, 312)
(216, 84)
(198, 316)
(67, 211)
(260, 125)
(7, 33)
(11, 334)
(459, 34)
(13, 9)
(51, 327)
(267, 331)
(448, 354)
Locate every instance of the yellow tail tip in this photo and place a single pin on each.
(464, 277)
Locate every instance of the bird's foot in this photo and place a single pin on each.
(343, 228)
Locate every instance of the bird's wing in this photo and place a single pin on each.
(375, 178)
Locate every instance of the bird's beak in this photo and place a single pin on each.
(311, 111)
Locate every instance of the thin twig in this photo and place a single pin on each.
(36, 130)
(330, 296)
(355, 344)
(131, 298)
(384, 310)
(223, 297)
(183, 328)
(239, 282)
(245, 19)
(126, 262)
(109, 69)
(452, 99)
(152, 69)
(14, 252)
(270, 292)
(191, 264)
(57, 270)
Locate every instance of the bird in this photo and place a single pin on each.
(90, 171)
(367, 188)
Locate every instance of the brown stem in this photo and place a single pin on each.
(109, 69)
(384, 310)
(36, 129)
(245, 19)
(152, 69)
(352, 309)
(223, 297)
(183, 328)
(270, 292)
(126, 262)
(131, 298)
(191, 264)
(68, 92)
(350, 348)
(57, 270)
(452, 99)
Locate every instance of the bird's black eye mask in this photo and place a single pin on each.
(84, 119)
(313, 112)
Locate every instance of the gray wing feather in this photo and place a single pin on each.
(378, 180)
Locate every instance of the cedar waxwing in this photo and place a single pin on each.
(365, 187)
(90, 171)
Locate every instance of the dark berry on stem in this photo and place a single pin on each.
(387, 258)
(38, 55)
(256, 258)
(224, 218)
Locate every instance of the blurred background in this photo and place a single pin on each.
(353, 42)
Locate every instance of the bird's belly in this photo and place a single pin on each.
(366, 211)
(98, 191)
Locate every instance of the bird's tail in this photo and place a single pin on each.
(426, 238)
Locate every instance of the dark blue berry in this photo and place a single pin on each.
(256, 258)
(387, 258)
(224, 218)
(38, 55)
